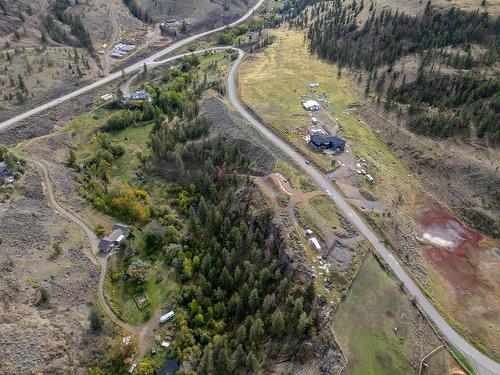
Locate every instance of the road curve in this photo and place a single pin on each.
(139, 65)
(483, 364)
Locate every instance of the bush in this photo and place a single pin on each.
(119, 121)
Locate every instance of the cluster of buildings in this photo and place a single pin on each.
(138, 96)
(121, 49)
(318, 139)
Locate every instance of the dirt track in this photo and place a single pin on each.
(143, 332)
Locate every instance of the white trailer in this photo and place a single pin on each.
(165, 318)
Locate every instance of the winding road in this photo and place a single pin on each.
(482, 364)
(143, 332)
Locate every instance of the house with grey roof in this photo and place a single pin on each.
(117, 235)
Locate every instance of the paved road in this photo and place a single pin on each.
(137, 66)
(483, 364)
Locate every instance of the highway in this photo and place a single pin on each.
(132, 68)
(482, 364)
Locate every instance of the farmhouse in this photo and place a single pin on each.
(320, 142)
(311, 105)
(118, 234)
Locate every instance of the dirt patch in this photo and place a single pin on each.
(367, 194)
(468, 263)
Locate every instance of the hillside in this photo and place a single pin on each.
(197, 13)
(455, 89)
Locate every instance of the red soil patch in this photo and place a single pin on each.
(451, 247)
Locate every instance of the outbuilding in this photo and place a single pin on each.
(165, 318)
(315, 243)
(311, 105)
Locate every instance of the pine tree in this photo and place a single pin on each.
(95, 319)
(278, 323)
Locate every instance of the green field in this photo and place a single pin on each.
(296, 179)
(365, 323)
(272, 83)
(325, 207)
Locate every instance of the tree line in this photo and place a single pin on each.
(137, 11)
(463, 100)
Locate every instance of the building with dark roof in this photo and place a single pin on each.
(117, 235)
(321, 142)
(4, 172)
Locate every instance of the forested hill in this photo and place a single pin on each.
(457, 86)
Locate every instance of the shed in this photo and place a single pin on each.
(315, 243)
(106, 97)
(165, 318)
(311, 105)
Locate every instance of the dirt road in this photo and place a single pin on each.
(144, 332)
(114, 35)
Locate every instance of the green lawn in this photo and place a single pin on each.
(325, 207)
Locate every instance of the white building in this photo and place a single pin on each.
(106, 97)
(315, 243)
(311, 105)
